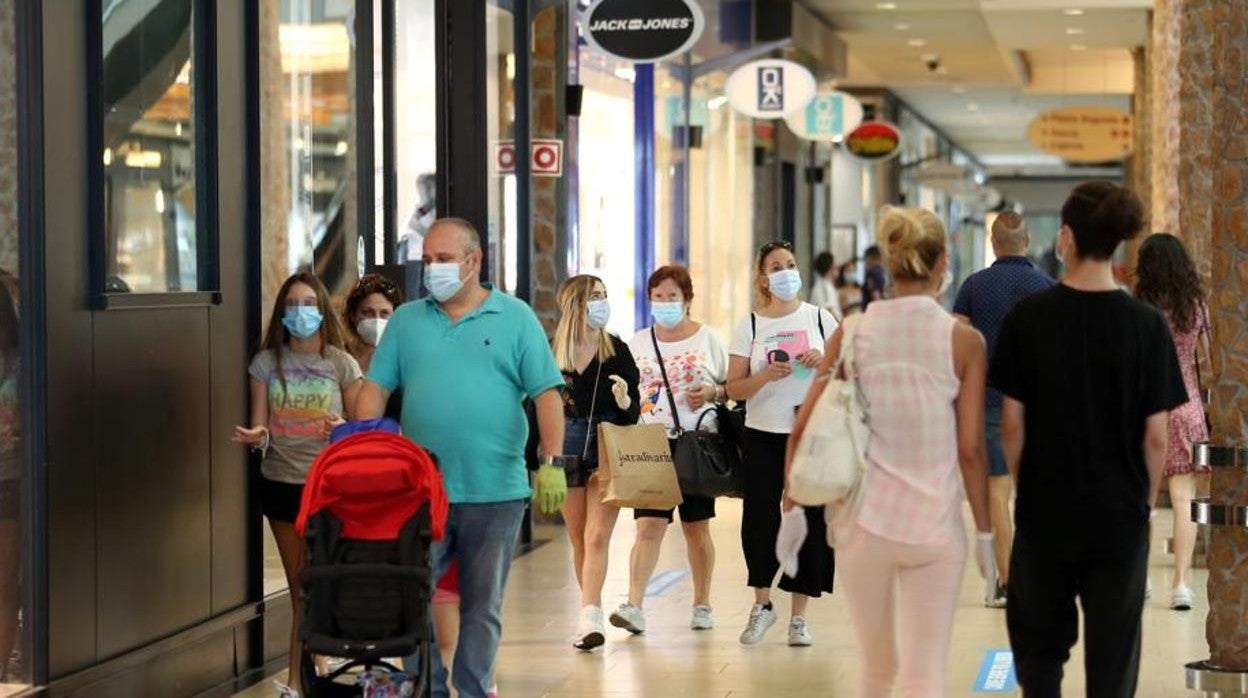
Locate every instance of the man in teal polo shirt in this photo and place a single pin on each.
(466, 358)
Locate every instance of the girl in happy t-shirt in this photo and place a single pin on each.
(300, 383)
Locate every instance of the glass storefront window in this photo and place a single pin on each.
(149, 159)
(15, 622)
(415, 128)
(500, 94)
(309, 210)
(308, 174)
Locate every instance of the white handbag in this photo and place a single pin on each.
(830, 458)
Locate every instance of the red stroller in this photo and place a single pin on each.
(372, 506)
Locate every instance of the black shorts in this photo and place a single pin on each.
(692, 510)
(10, 499)
(279, 501)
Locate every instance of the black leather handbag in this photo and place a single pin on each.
(708, 464)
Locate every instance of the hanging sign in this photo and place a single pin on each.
(874, 141)
(770, 89)
(643, 31)
(1084, 134)
(546, 156)
(943, 176)
(829, 116)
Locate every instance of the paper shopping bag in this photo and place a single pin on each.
(635, 467)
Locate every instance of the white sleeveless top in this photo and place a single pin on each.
(912, 491)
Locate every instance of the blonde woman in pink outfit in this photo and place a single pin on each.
(901, 550)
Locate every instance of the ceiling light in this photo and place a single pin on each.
(917, 43)
(143, 159)
(903, 27)
(885, 5)
(1073, 12)
(1074, 31)
(717, 102)
(1078, 47)
(626, 73)
(108, 157)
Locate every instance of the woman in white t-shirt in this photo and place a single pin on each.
(774, 355)
(696, 362)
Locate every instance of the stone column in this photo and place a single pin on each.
(1139, 173)
(1164, 120)
(274, 166)
(1227, 24)
(546, 90)
(1196, 135)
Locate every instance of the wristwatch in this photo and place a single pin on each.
(546, 460)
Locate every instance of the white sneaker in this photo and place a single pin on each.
(799, 634)
(761, 620)
(629, 617)
(590, 633)
(1181, 599)
(284, 691)
(702, 618)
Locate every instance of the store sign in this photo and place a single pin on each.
(1084, 134)
(643, 31)
(829, 116)
(546, 156)
(874, 141)
(943, 176)
(770, 89)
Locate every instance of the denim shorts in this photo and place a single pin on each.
(576, 438)
(996, 450)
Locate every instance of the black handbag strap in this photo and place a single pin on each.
(671, 400)
(593, 404)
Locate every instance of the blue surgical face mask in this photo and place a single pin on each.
(785, 284)
(599, 314)
(668, 315)
(302, 321)
(443, 281)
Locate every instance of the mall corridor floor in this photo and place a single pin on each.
(541, 610)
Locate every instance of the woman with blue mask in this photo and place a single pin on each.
(774, 355)
(696, 362)
(600, 385)
(300, 381)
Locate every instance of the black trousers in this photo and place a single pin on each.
(760, 522)
(1043, 620)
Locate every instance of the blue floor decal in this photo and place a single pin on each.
(996, 674)
(663, 581)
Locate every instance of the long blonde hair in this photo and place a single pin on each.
(912, 240)
(573, 315)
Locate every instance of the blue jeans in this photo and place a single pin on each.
(482, 539)
(996, 450)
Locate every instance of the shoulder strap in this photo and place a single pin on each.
(753, 327)
(671, 400)
(819, 318)
(593, 404)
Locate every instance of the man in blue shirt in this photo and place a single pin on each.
(984, 300)
(466, 358)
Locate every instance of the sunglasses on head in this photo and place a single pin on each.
(773, 246)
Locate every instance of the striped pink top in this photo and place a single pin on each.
(912, 491)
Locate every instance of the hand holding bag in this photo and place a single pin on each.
(708, 464)
(830, 457)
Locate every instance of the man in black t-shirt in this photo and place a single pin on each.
(1089, 375)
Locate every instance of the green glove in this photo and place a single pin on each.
(551, 488)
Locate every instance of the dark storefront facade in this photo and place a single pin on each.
(164, 164)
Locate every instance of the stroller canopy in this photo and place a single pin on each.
(374, 482)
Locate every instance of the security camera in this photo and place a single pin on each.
(932, 61)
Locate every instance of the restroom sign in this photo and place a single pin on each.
(545, 156)
(770, 89)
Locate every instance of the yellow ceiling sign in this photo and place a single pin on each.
(1083, 134)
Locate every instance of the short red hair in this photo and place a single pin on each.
(675, 273)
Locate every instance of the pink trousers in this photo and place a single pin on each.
(881, 580)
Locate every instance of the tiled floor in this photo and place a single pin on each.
(670, 660)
